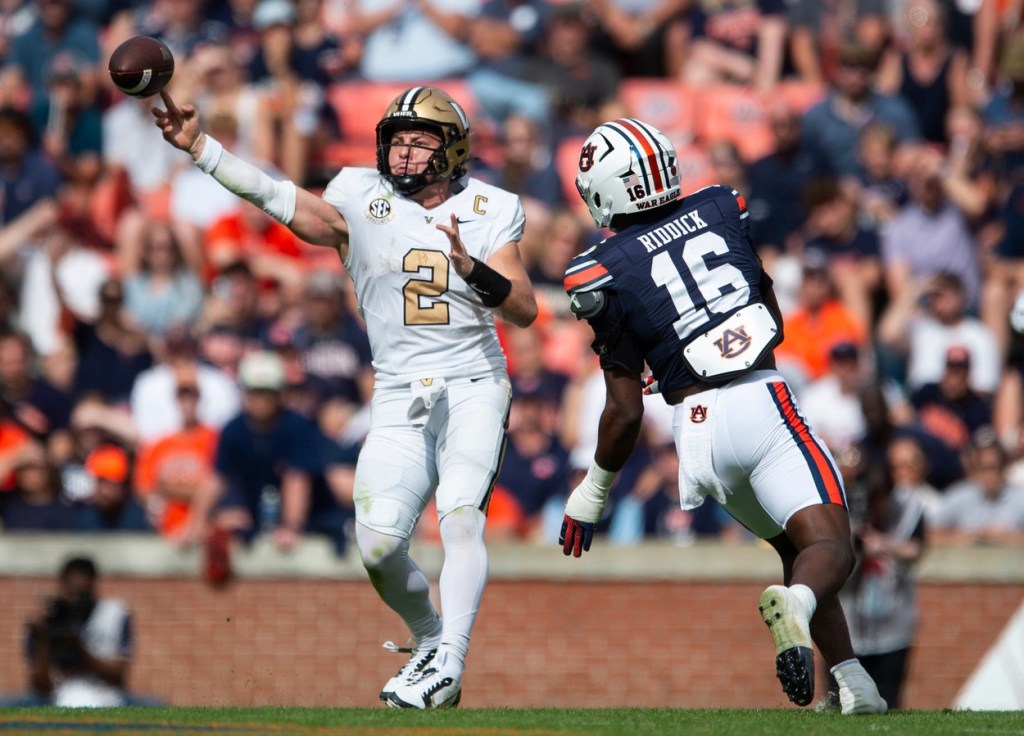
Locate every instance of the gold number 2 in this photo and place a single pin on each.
(422, 306)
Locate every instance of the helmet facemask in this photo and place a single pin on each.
(431, 110)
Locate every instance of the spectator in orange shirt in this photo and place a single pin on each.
(174, 469)
(15, 443)
(819, 321)
(271, 250)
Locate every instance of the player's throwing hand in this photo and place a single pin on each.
(461, 260)
(180, 126)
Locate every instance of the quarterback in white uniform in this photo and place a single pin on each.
(432, 254)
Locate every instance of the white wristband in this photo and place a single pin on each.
(601, 479)
(276, 198)
(210, 157)
(588, 499)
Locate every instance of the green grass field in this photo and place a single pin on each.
(481, 722)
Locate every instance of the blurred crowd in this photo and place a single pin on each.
(173, 361)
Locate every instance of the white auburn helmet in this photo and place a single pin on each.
(625, 167)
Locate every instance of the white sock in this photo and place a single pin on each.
(463, 578)
(847, 666)
(806, 596)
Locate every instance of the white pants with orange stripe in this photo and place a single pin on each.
(766, 461)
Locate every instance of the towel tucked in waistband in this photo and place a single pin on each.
(693, 422)
(425, 393)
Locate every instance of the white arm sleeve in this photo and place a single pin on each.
(276, 198)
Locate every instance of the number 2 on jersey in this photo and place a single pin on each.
(422, 305)
(709, 281)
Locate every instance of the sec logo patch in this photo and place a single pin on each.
(379, 211)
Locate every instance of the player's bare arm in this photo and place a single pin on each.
(621, 419)
(305, 214)
(519, 306)
(617, 434)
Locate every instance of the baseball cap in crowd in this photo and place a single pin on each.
(108, 462)
(844, 350)
(815, 261)
(273, 13)
(958, 357)
(261, 371)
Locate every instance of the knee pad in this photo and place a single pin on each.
(462, 525)
(376, 548)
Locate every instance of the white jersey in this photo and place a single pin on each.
(422, 319)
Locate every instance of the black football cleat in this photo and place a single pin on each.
(789, 625)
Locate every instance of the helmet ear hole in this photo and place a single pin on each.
(597, 199)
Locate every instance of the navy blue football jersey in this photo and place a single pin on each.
(660, 284)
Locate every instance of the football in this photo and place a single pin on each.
(141, 66)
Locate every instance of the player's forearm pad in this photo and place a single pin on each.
(276, 198)
(587, 501)
(492, 287)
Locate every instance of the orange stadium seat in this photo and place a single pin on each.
(801, 95)
(737, 115)
(567, 159)
(694, 167)
(667, 105)
(359, 106)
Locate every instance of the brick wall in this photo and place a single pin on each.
(537, 642)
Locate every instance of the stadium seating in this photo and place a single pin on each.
(667, 105)
(737, 115)
(359, 107)
(801, 95)
(694, 167)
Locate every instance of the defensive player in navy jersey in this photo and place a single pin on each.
(680, 288)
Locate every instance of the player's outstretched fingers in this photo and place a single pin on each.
(460, 259)
(169, 102)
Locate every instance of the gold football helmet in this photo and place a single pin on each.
(431, 109)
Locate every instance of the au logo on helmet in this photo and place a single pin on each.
(587, 157)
